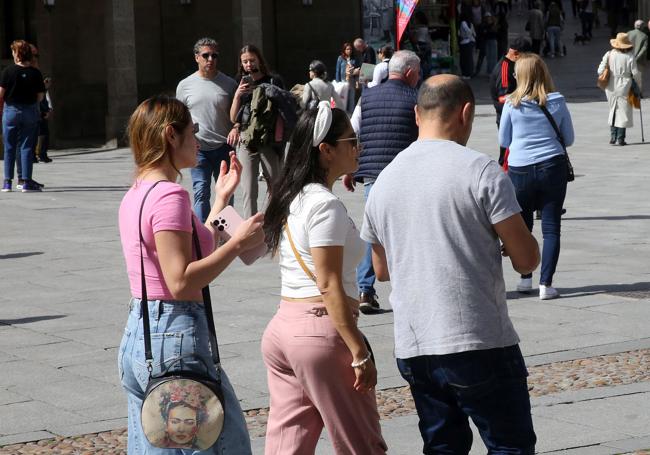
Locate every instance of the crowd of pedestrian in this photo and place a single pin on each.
(455, 224)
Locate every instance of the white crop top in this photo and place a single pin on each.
(318, 218)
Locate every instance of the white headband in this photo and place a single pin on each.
(323, 122)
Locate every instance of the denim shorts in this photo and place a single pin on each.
(178, 330)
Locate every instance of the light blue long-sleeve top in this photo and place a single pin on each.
(529, 134)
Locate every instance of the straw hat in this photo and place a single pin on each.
(621, 42)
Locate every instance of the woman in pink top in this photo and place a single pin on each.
(161, 136)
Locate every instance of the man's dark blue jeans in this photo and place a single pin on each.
(489, 386)
(207, 168)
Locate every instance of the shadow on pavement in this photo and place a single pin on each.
(639, 290)
(607, 218)
(20, 255)
(31, 319)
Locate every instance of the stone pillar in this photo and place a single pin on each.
(644, 11)
(249, 15)
(121, 74)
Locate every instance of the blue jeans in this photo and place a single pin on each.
(207, 167)
(365, 272)
(554, 45)
(491, 53)
(19, 132)
(542, 186)
(489, 386)
(177, 329)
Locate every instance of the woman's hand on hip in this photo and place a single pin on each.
(228, 178)
(250, 234)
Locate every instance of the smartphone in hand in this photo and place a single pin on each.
(226, 223)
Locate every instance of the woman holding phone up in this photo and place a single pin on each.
(320, 370)
(161, 136)
(253, 72)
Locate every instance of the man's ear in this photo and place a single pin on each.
(467, 114)
(417, 115)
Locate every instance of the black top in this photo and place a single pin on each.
(22, 84)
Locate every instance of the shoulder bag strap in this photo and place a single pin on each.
(297, 254)
(207, 304)
(551, 120)
(144, 307)
(313, 92)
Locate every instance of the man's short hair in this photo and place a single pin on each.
(403, 60)
(520, 44)
(444, 97)
(359, 42)
(205, 42)
(638, 24)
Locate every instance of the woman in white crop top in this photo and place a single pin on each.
(320, 370)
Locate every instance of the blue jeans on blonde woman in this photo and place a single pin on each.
(542, 186)
(177, 329)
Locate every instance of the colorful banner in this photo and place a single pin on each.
(404, 11)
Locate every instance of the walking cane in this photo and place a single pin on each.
(641, 115)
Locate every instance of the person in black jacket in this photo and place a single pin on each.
(503, 82)
(384, 120)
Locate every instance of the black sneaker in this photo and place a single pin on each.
(368, 303)
(31, 186)
(6, 187)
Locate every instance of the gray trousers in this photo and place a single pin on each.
(271, 163)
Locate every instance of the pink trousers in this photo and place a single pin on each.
(311, 385)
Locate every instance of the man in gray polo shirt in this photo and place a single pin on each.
(208, 94)
(438, 241)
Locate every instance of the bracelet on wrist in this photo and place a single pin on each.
(361, 363)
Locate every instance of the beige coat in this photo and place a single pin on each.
(622, 69)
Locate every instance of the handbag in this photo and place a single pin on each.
(570, 174)
(603, 78)
(312, 277)
(181, 409)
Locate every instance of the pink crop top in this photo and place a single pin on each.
(167, 208)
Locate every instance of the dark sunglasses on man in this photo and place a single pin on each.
(207, 55)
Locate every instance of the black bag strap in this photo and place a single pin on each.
(551, 120)
(207, 304)
(144, 304)
(313, 92)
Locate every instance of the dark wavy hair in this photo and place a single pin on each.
(251, 48)
(301, 167)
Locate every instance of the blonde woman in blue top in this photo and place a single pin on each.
(537, 162)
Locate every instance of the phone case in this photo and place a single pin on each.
(226, 223)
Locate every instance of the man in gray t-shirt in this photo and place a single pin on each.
(208, 93)
(437, 240)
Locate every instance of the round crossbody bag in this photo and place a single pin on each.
(181, 409)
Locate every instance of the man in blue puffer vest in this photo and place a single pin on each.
(384, 120)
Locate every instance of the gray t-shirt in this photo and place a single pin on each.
(432, 209)
(209, 102)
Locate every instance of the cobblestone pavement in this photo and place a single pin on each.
(601, 371)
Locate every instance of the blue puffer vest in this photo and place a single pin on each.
(387, 125)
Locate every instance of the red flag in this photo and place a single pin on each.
(404, 11)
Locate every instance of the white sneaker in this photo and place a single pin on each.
(525, 285)
(547, 292)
